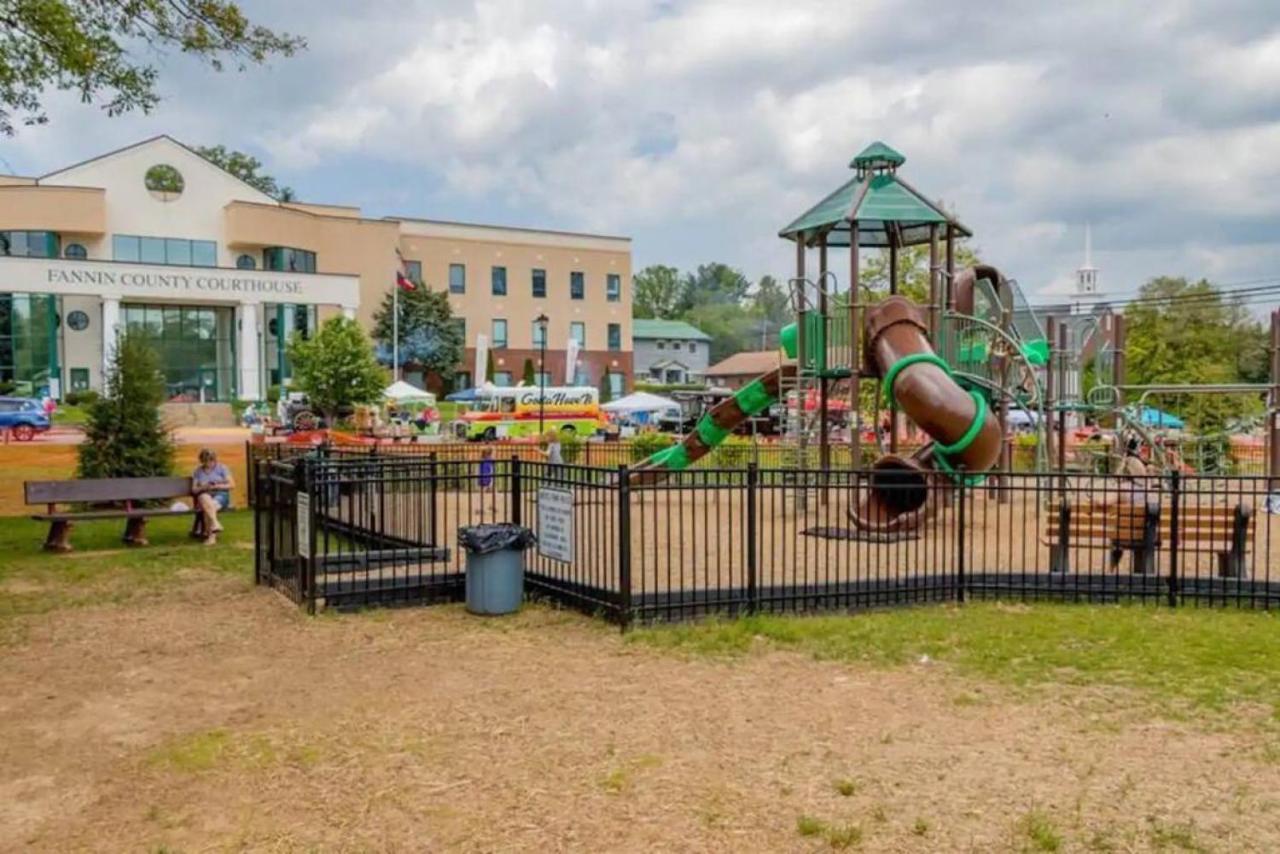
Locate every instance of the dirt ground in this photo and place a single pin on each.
(215, 716)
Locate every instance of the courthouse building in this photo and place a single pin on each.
(155, 240)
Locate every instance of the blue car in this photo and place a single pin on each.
(22, 417)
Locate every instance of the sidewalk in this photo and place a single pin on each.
(65, 435)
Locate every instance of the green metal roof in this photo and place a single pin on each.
(677, 329)
(878, 201)
(875, 154)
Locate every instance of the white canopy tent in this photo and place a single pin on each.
(402, 392)
(640, 401)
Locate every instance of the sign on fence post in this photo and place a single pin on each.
(304, 524)
(555, 523)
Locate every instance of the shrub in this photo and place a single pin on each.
(86, 397)
(647, 444)
(571, 447)
(123, 433)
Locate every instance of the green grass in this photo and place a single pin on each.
(102, 569)
(68, 415)
(1184, 659)
(838, 836)
(1039, 832)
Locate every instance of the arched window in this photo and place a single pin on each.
(76, 252)
(246, 262)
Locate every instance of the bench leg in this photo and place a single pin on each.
(1059, 559)
(198, 526)
(1144, 561)
(59, 538)
(135, 531)
(1232, 564)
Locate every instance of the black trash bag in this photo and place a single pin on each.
(486, 539)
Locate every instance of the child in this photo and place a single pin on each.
(487, 476)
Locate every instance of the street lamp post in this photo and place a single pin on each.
(542, 320)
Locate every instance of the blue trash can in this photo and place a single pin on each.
(495, 567)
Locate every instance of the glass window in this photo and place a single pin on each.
(499, 333)
(126, 247)
(204, 253)
(457, 278)
(152, 250)
(577, 286)
(246, 262)
(75, 252)
(580, 376)
(539, 334)
(539, 283)
(79, 379)
(288, 260)
(693, 346)
(502, 379)
(28, 342)
(177, 252)
(29, 244)
(195, 346)
(613, 287)
(661, 345)
(499, 277)
(413, 269)
(462, 381)
(615, 336)
(578, 332)
(615, 384)
(542, 379)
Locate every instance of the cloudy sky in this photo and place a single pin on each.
(700, 128)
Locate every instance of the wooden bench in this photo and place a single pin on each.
(1142, 528)
(108, 498)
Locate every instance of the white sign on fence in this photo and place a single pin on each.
(555, 523)
(304, 524)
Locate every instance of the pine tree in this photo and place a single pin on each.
(606, 391)
(488, 367)
(124, 436)
(529, 377)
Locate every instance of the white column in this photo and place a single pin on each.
(110, 332)
(247, 351)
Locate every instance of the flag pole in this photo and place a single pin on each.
(395, 333)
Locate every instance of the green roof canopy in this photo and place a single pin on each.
(647, 328)
(879, 200)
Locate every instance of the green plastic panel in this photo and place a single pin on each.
(753, 398)
(708, 431)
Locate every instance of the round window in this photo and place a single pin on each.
(75, 252)
(246, 262)
(273, 326)
(78, 321)
(164, 182)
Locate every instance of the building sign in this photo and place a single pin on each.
(555, 523)
(304, 524)
(186, 282)
(113, 280)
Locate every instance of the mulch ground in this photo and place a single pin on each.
(216, 717)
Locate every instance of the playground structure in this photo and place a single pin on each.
(957, 366)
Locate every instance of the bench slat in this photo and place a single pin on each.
(92, 490)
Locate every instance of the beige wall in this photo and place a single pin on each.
(521, 252)
(61, 209)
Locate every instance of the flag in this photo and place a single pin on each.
(402, 275)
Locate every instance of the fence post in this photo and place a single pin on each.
(961, 524)
(1174, 514)
(432, 493)
(515, 512)
(753, 595)
(624, 545)
(304, 477)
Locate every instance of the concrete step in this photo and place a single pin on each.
(198, 415)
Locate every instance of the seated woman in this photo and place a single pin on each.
(212, 484)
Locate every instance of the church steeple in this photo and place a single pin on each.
(1087, 275)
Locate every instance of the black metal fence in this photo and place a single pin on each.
(349, 529)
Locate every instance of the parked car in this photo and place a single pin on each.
(22, 417)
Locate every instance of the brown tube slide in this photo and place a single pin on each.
(898, 495)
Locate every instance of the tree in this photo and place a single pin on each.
(713, 284)
(93, 47)
(336, 367)
(656, 291)
(1185, 332)
(124, 436)
(913, 270)
(606, 390)
(529, 378)
(488, 367)
(732, 328)
(245, 167)
(771, 310)
(429, 337)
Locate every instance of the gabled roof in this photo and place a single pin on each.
(880, 201)
(747, 363)
(161, 138)
(666, 329)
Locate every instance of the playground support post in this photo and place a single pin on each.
(1002, 409)
(824, 439)
(855, 347)
(1119, 366)
(951, 268)
(1061, 424)
(1050, 389)
(802, 304)
(1273, 415)
(893, 290)
(935, 306)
